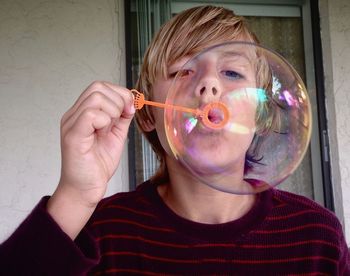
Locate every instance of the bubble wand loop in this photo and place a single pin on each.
(139, 102)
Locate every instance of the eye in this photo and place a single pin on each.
(180, 73)
(232, 74)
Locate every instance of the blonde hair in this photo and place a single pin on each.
(186, 34)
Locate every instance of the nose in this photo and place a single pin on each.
(208, 89)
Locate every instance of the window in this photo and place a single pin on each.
(284, 26)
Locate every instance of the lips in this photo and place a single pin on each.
(202, 128)
(215, 116)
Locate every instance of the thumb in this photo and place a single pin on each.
(122, 123)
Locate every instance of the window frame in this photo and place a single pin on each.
(321, 168)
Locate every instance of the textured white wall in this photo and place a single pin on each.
(49, 52)
(335, 28)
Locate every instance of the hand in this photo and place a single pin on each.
(93, 134)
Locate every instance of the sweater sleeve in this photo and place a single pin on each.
(40, 247)
(344, 261)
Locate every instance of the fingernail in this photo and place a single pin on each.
(132, 109)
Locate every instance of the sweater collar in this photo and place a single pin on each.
(224, 232)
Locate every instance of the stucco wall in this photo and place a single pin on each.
(335, 28)
(49, 52)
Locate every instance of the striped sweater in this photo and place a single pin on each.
(136, 233)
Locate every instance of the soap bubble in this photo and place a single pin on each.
(247, 122)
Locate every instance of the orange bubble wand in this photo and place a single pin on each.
(139, 102)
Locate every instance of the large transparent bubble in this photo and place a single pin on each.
(245, 124)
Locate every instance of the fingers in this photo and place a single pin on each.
(127, 96)
(113, 92)
(88, 122)
(97, 101)
(114, 101)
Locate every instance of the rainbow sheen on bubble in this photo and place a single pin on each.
(255, 121)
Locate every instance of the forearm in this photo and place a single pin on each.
(40, 247)
(69, 210)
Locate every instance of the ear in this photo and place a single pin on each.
(147, 126)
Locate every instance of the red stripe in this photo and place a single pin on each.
(130, 210)
(266, 246)
(115, 270)
(133, 223)
(280, 205)
(116, 196)
(142, 239)
(146, 256)
(236, 261)
(291, 215)
(280, 201)
(145, 202)
(143, 272)
(227, 245)
(309, 274)
(263, 246)
(274, 261)
(303, 201)
(295, 229)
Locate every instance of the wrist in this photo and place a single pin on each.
(69, 209)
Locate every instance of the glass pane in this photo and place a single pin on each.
(148, 16)
(285, 36)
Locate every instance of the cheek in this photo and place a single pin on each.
(244, 112)
(158, 114)
(160, 90)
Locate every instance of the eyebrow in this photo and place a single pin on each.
(234, 54)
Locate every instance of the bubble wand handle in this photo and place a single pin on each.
(176, 107)
(139, 102)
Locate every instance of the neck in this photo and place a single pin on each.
(198, 202)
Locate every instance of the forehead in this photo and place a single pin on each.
(191, 45)
(226, 55)
(179, 53)
(234, 49)
(221, 55)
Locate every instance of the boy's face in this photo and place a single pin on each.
(218, 75)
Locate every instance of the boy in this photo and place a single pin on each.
(172, 224)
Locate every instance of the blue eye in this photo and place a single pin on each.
(232, 74)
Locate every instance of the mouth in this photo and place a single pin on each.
(215, 116)
(203, 128)
(212, 119)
